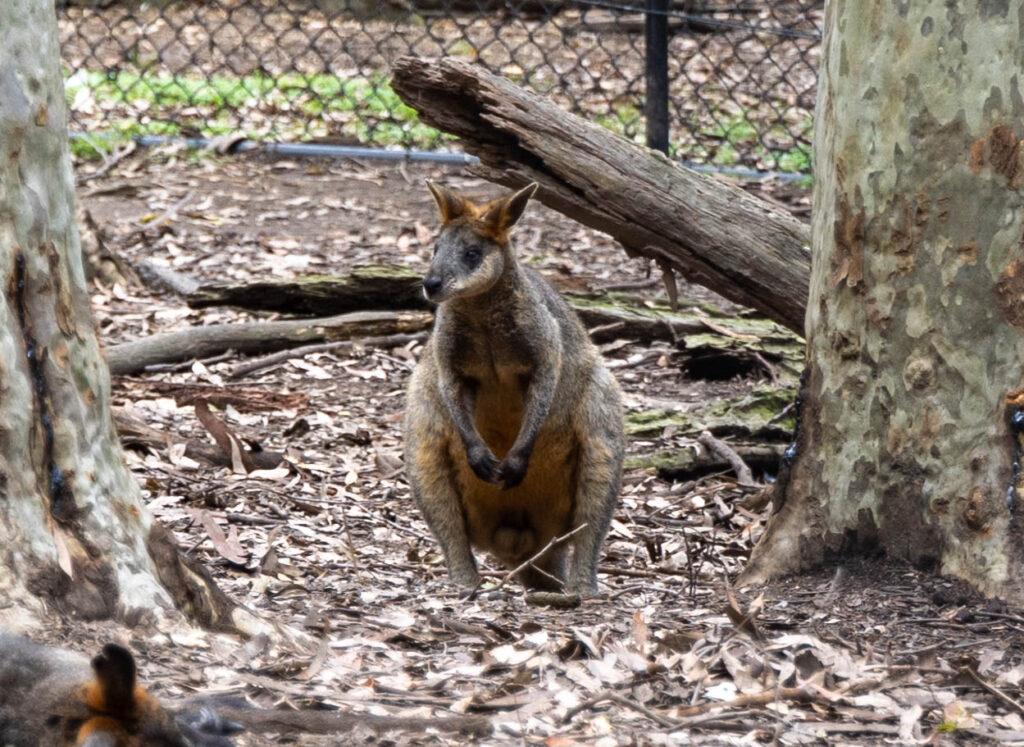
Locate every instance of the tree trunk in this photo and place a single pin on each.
(710, 231)
(916, 312)
(74, 532)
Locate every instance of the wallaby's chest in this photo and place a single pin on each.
(496, 377)
(498, 408)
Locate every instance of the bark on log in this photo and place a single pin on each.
(364, 288)
(606, 320)
(711, 232)
(689, 464)
(257, 337)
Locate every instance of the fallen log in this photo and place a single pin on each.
(609, 317)
(365, 288)
(686, 464)
(258, 337)
(709, 231)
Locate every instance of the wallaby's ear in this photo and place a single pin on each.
(449, 204)
(115, 675)
(500, 215)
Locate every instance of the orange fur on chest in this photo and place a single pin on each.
(540, 508)
(498, 416)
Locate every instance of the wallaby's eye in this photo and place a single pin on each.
(471, 256)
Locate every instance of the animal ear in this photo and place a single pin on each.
(115, 675)
(449, 204)
(501, 214)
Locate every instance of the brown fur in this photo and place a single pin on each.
(50, 698)
(513, 424)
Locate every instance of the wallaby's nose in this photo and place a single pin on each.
(431, 285)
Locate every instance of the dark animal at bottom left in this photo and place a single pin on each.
(53, 697)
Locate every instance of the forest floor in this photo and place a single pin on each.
(670, 652)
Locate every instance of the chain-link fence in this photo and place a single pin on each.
(741, 74)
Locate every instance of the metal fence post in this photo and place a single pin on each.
(656, 99)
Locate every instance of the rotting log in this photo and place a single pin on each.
(258, 337)
(762, 414)
(710, 231)
(385, 287)
(609, 316)
(687, 464)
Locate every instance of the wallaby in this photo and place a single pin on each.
(513, 427)
(52, 697)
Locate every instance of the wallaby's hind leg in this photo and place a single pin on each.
(432, 479)
(602, 444)
(552, 573)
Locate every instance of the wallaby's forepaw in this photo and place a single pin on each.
(512, 470)
(483, 463)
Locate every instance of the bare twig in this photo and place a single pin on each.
(745, 701)
(109, 161)
(607, 695)
(726, 452)
(725, 330)
(169, 214)
(536, 556)
(258, 364)
(992, 689)
(767, 367)
(631, 285)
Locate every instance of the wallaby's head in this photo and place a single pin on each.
(472, 251)
(111, 710)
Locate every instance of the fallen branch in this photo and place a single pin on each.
(799, 694)
(385, 341)
(162, 278)
(311, 721)
(608, 696)
(720, 448)
(395, 288)
(993, 690)
(743, 701)
(242, 398)
(109, 161)
(258, 337)
(554, 542)
(710, 231)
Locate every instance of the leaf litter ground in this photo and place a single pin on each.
(866, 653)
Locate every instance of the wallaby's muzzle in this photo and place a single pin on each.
(432, 286)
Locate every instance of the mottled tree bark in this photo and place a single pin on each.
(915, 322)
(74, 533)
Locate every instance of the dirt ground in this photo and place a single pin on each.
(670, 653)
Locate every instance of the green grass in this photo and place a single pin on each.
(364, 108)
(294, 107)
(736, 135)
(624, 119)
